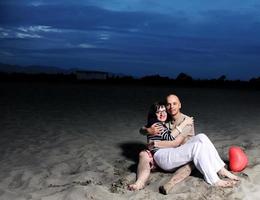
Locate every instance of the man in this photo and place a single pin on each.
(173, 106)
(199, 149)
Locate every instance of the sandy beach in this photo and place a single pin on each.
(79, 141)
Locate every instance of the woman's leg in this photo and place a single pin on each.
(143, 171)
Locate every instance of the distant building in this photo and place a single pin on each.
(91, 75)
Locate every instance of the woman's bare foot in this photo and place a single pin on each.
(224, 172)
(225, 183)
(138, 185)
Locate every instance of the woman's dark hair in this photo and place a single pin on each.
(151, 117)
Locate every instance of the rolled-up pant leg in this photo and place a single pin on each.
(215, 160)
(208, 161)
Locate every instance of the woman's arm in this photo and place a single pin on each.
(180, 138)
(178, 129)
(157, 128)
(154, 129)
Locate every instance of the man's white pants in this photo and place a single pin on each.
(198, 149)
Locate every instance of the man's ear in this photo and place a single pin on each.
(180, 105)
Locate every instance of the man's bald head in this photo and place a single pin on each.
(173, 96)
(173, 104)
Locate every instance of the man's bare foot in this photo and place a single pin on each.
(224, 172)
(225, 183)
(138, 185)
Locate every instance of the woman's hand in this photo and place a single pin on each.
(166, 144)
(155, 129)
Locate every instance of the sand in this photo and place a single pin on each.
(77, 141)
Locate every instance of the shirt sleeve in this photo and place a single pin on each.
(188, 131)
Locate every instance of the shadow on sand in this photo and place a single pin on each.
(131, 150)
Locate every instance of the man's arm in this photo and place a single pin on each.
(157, 128)
(179, 175)
(184, 129)
(182, 133)
(167, 144)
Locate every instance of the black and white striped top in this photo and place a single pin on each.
(164, 135)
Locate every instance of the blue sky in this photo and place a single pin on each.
(203, 38)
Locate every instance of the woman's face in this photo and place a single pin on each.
(161, 114)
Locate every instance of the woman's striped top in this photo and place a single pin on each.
(164, 135)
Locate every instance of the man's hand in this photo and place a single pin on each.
(150, 146)
(155, 129)
(155, 144)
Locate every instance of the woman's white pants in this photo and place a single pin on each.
(198, 149)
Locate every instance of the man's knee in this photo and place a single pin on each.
(202, 137)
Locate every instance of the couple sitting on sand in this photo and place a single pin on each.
(172, 144)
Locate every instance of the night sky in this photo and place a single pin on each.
(203, 38)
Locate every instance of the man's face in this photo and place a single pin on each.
(173, 105)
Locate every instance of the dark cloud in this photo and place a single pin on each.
(72, 17)
(211, 43)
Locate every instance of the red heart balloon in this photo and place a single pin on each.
(237, 159)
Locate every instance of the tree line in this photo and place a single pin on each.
(156, 80)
